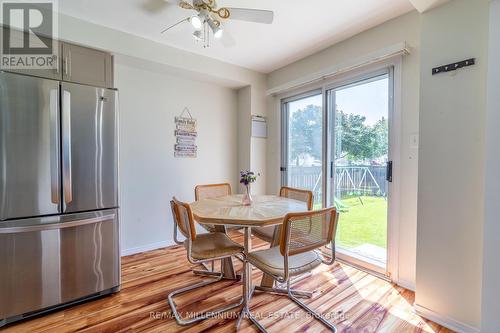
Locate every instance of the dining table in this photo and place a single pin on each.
(229, 211)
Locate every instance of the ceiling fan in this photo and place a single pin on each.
(208, 17)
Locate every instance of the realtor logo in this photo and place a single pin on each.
(28, 34)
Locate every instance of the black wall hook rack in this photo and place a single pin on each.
(454, 66)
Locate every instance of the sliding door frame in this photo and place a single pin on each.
(330, 89)
(285, 115)
(393, 66)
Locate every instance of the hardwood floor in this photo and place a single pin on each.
(357, 301)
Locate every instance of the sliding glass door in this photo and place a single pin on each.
(303, 142)
(360, 166)
(336, 143)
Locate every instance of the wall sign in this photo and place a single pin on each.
(259, 127)
(185, 133)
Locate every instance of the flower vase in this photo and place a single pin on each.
(247, 197)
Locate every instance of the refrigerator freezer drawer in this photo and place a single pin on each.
(53, 260)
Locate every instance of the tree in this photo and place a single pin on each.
(358, 141)
(381, 130)
(355, 140)
(306, 133)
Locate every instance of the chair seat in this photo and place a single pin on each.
(264, 233)
(213, 245)
(271, 261)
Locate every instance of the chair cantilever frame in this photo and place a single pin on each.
(287, 250)
(190, 235)
(208, 270)
(267, 233)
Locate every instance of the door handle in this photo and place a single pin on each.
(67, 175)
(67, 60)
(54, 144)
(388, 173)
(65, 65)
(63, 225)
(58, 63)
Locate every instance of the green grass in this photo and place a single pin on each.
(363, 223)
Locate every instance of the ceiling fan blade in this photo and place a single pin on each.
(154, 6)
(251, 15)
(181, 3)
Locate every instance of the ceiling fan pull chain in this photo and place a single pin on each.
(208, 37)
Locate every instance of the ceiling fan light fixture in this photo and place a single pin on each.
(196, 22)
(207, 18)
(216, 27)
(218, 34)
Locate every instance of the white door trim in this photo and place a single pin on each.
(395, 64)
(393, 238)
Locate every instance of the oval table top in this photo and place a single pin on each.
(229, 210)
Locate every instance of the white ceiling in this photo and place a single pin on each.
(300, 28)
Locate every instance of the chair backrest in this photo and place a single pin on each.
(296, 194)
(211, 191)
(307, 231)
(184, 218)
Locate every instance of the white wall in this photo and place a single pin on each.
(204, 74)
(403, 29)
(252, 151)
(258, 146)
(244, 127)
(258, 156)
(149, 174)
(451, 164)
(490, 322)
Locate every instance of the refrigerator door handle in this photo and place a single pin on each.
(66, 66)
(67, 181)
(54, 144)
(71, 224)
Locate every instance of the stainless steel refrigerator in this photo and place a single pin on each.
(59, 236)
